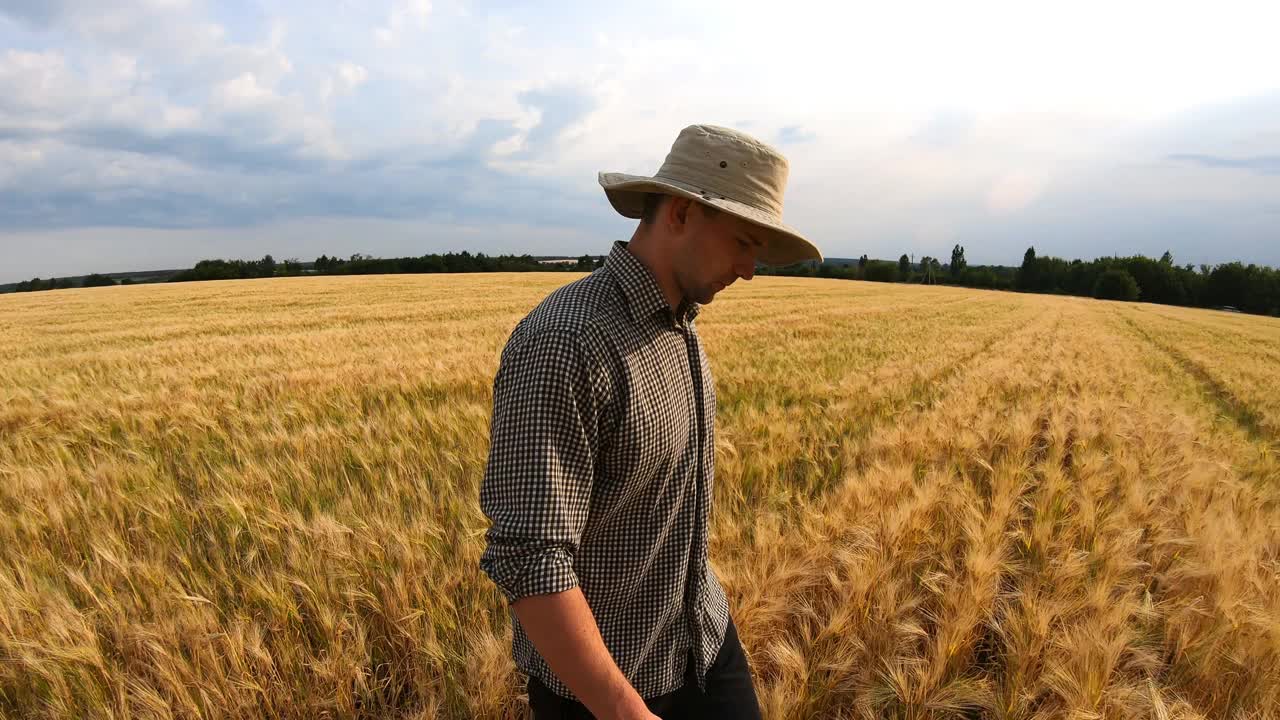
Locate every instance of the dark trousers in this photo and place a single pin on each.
(729, 694)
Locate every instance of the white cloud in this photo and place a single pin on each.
(18, 160)
(33, 82)
(344, 79)
(242, 91)
(351, 75)
(404, 15)
(1015, 190)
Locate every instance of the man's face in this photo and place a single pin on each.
(716, 250)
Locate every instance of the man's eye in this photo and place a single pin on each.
(742, 242)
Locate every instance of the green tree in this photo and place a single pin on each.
(958, 263)
(96, 280)
(1029, 273)
(927, 274)
(904, 268)
(1116, 284)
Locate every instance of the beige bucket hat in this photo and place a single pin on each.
(728, 170)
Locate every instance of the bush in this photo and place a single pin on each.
(881, 271)
(980, 278)
(96, 280)
(1116, 284)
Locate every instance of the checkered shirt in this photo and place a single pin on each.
(600, 470)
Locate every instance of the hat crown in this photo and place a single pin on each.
(726, 163)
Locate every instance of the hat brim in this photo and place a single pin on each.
(783, 244)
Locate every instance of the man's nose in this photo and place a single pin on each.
(747, 269)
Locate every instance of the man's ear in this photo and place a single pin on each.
(677, 212)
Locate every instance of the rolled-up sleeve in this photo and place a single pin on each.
(536, 488)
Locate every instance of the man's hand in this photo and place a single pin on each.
(564, 631)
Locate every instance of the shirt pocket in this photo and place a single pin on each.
(658, 425)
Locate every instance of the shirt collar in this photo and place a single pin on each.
(640, 288)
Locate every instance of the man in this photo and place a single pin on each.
(602, 453)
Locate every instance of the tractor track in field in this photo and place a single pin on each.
(822, 591)
(919, 396)
(1243, 415)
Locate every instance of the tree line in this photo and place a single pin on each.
(356, 264)
(1249, 288)
(94, 280)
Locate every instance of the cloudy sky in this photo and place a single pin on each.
(141, 134)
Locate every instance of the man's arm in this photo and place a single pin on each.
(563, 629)
(536, 491)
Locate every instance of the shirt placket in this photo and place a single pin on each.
(695, 578)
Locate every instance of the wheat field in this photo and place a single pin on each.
(251, 499)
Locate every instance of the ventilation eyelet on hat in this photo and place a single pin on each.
(724, 164)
